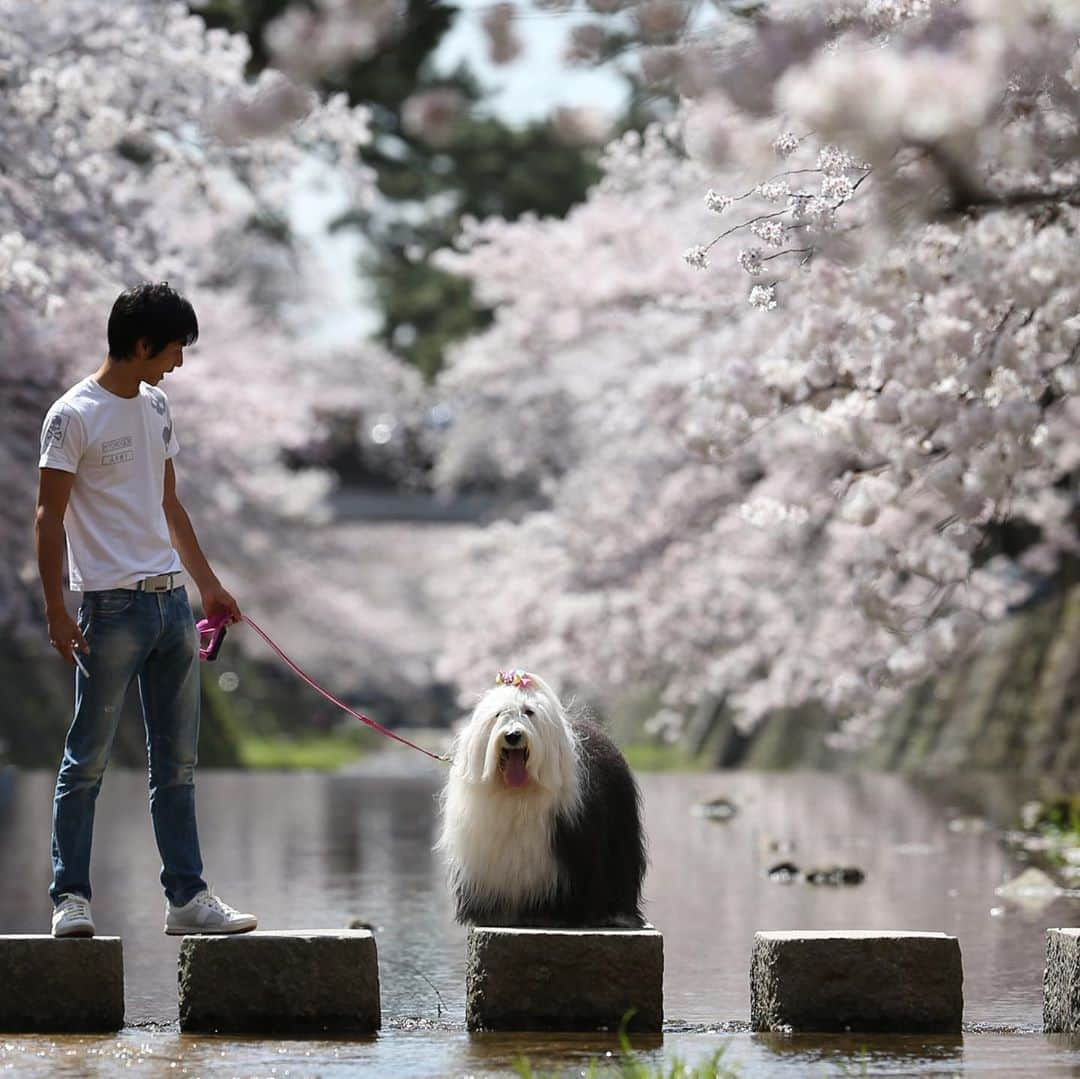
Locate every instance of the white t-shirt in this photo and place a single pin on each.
(117, 447)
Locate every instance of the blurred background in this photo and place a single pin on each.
(460, 402)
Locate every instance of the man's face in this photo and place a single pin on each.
(155, 367)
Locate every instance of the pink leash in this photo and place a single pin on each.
(215, 629)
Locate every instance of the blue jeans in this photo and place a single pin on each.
(151, 636)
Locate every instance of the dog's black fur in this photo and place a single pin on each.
(600, 851)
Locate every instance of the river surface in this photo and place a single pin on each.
(314, 850)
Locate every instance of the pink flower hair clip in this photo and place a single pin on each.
(516, 677)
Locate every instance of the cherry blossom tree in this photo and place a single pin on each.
(135, 148)
(813, 471)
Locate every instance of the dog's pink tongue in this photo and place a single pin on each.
(514, 771)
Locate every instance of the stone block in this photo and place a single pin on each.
(1061, 982)
(564, 979)
(870, 981)
(295, 981)
(72, 985)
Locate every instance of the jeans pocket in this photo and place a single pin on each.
(110, 602)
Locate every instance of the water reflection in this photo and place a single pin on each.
(453, 1053)
(864, 1052)
(314, 851)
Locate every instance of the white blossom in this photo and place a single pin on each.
(433, 115)
(771, 513)
(750, 260)
(716, 202)
(774, 190)
(838, 188)
(763, 297)
(833, 161)
(769, 232)
(581, 126)
(786, 144)
(697, 256)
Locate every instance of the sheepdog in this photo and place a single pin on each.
(541, 817)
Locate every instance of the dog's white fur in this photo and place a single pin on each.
(497, 839)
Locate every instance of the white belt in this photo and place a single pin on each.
(163, 582)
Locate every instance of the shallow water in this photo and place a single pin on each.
(312, 851)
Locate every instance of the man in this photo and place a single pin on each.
(107, 483)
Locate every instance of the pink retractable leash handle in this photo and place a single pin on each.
(212, 631)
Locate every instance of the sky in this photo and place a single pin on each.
(537, 81)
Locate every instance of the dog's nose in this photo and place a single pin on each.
(512, 738)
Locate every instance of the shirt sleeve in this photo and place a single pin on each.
(63, 439)
(172, 443)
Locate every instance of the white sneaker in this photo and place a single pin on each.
(206, 914)
(71, 917)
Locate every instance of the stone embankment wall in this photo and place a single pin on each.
(1012, 704)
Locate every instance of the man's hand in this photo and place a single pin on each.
(216, 601)
(64, 633)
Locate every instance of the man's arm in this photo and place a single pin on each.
(54, 490)
(215, 599)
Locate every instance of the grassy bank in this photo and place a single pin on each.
(309, 752)
(327, 751)
(662, 757)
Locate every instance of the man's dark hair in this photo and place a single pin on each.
(152, 312)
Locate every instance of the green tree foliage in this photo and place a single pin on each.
(484, 168)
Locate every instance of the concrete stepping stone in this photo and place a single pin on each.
(295, 981)
(861, 980)
(564, 979)
(1061, 982)
(72, 985)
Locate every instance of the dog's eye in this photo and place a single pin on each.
(528, 712)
